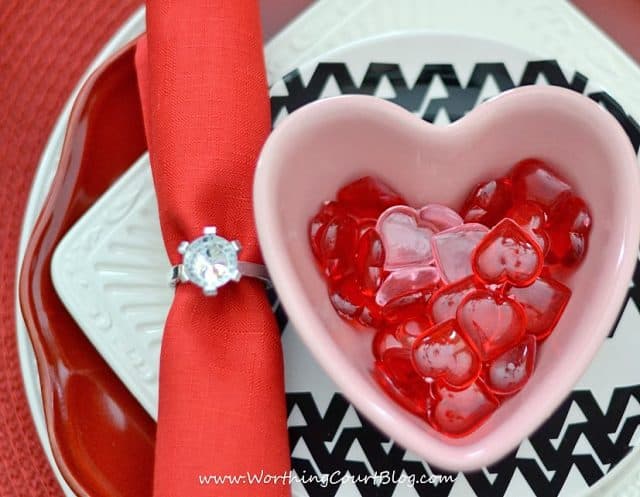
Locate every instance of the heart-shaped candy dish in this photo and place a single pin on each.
(362, 208)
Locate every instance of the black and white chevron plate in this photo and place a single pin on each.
(441, 77)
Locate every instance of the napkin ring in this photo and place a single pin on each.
(211, 261)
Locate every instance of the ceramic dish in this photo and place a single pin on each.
(40, 187)
(341, 139)
(591, 431)
(91, 417)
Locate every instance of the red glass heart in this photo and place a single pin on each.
(371, 315)
(532, 180)
(459, 412)
(351, 304)
(318, 223)
(488, 202)
(568, 226)
(492, 326)
(397, 377)
(406, 243)
(368, 197)
(346, 298)
(408, 331)
(444, 303)
(369, 262)
(543, 302)
(443, 354)
(507, 254)
(337, 243)
(511, 370)
(532, 218)
(452, 250)
(364, 225)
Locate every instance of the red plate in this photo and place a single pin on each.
(102, 439)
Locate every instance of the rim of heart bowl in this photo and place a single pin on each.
(323, 145)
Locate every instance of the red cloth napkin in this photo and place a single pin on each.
(221, 404)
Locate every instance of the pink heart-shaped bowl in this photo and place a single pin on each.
(327, 144)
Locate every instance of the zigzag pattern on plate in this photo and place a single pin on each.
(460, 98)
(556, 448)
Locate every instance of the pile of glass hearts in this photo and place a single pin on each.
(459, 301)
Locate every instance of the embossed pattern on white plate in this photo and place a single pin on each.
(113, 275)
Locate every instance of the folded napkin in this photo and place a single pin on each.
(221, 403)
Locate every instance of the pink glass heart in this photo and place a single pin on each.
(492, 326)
(405, 308)
(543, 302)
(407, 281)
(384, 340)
(442, 353)
(406, 242)
(509, 372)
(459, 412)
(507, 254)
(439, 217)
(452, 250)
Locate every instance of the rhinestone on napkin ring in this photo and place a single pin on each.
(211, 261)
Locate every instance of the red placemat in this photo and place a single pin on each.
(620, 19)
(45, 46)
